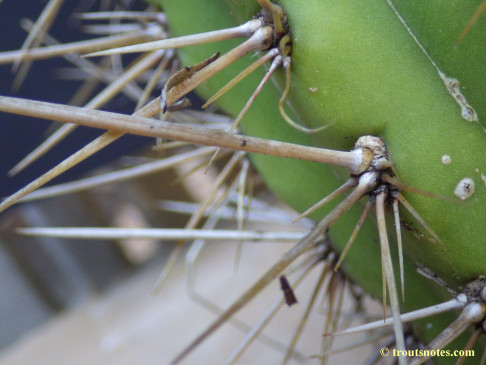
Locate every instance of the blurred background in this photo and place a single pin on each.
(42, 277)
(78, 302)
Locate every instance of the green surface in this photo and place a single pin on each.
(371, 78)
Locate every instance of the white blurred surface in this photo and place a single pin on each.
(129, 325)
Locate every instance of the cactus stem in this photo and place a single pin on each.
(286, 64)
(452, 85)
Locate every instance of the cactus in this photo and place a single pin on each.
(404, 72)
(388, 71)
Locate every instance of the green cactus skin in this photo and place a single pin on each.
(389, 88)
(371, 78)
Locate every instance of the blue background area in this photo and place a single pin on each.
(20, 135)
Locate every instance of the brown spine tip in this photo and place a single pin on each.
(289, 295)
